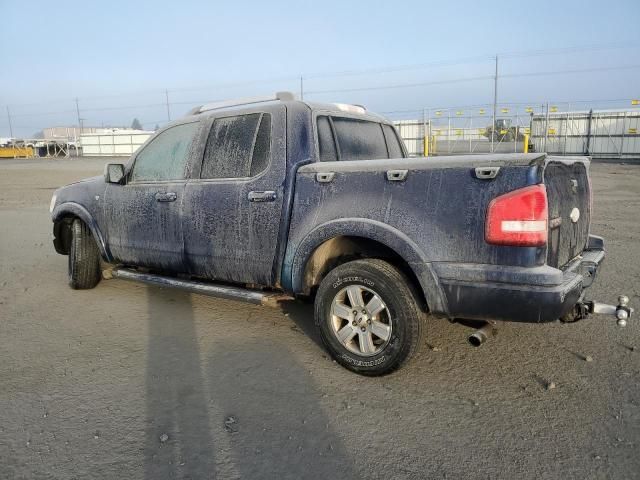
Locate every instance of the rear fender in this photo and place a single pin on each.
(298, 256)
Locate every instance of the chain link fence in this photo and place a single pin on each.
(606, 134)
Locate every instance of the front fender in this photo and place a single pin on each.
(67, 209)
(298, 255)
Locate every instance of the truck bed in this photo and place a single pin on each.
(438, 212)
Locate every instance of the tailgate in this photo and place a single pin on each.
(569, 194)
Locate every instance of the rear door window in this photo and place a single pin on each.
(393, 144)
(237, 147)
(326, 143)
(359, 139)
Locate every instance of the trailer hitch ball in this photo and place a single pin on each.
(622, 310)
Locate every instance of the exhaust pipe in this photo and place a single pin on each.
(481, 335)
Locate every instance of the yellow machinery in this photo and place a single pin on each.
(16, 152)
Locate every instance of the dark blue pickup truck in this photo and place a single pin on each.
(273, 198)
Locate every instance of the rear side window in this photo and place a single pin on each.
(262, 147)
(326, 143)
(166, 156)
(356, 140)
(393, 144)
(237, 147)
(359, 140)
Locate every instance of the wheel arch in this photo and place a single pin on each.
(339, 241)
(63, 215)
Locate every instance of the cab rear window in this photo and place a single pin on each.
(342, 138)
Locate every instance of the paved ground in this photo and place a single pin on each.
(129, 381)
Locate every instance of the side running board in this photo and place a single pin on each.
(211, 289)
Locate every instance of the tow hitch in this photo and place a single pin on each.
(582, 309)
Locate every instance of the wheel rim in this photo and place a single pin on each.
(360, 320)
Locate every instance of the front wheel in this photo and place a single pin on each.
(368, 316)
(84, 257)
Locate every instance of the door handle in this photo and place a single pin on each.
(166, 197)
(325, 177)
(266, 196)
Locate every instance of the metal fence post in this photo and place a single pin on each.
(449, 131)
(425, 140)
(624, 131)
(546, 127)
(515, 139)
(470, 132)
(495, 103)
(588, 142)
(429, 136)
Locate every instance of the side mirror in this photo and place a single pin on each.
(114, 173)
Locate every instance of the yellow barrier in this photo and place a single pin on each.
(429, 145)
(16, 152)
(525, 143)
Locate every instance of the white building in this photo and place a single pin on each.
(116, 142)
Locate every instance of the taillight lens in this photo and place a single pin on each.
(518, 218)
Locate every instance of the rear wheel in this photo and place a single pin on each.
(84, 257)
(368, 316)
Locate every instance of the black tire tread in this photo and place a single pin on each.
(84, 258)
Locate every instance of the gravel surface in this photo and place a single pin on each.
(130, 381)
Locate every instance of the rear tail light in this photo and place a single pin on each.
(518, 218)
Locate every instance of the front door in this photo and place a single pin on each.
(144, 216)
(232, 208)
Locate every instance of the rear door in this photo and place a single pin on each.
(233, 204)
(144, 216)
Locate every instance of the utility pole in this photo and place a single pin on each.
(78, 114)
(79, 124)
(10, 126)
(166, 96)
(301, 88)
(495, 103)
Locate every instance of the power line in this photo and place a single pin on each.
(486, 77)
(404, 85)
(565, 72)
(398, 68)
(563, 50)
(364, 71)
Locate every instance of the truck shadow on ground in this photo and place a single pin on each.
(178, 440)
(301, 313)
(280, 429)
(251, 411)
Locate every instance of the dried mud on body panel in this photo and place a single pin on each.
(568, 197)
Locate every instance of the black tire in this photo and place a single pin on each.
(84, 258)
(402, 315)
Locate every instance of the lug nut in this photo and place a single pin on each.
(364, 312)
(362, 328)
(355, 312)
(354, 323)
(369, 321)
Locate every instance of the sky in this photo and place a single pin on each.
(121, 59)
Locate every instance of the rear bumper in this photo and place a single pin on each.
(540, 294)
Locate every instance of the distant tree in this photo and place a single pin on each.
(38, 134)
(136, 125)
(156, 128)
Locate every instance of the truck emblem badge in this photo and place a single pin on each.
(574, 185)
(575, 215)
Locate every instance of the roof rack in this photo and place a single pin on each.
(282, 96)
